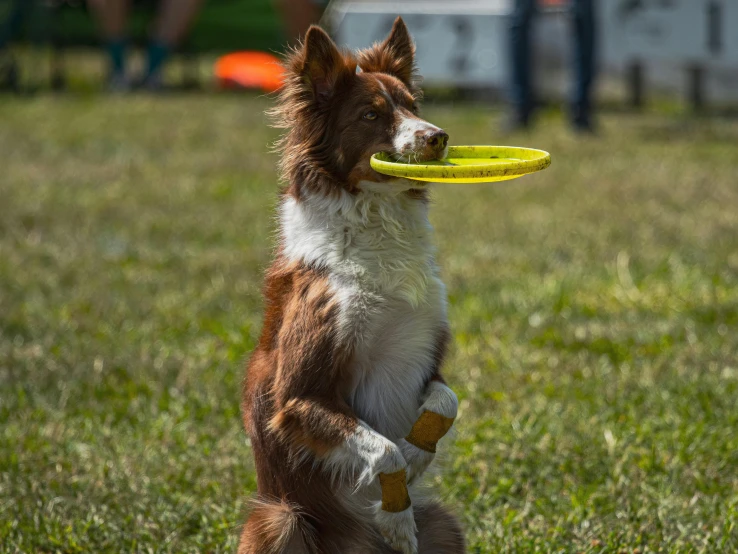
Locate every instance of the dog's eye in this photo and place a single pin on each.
(371, 116)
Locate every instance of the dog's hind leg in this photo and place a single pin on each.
(275, 527)
(439, 532)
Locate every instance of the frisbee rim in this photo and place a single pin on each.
(528, 160)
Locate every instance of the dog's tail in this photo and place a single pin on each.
(276, 527)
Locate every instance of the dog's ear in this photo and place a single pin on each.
(323, 65)
(396, 55)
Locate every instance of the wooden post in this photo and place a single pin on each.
(696, 86)
(635, 83)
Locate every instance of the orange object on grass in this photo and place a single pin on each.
(249, 69)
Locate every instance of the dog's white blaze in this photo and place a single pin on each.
(409, 134)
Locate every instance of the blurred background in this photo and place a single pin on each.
(594, 306)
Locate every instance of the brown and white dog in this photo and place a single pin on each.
(343, 399)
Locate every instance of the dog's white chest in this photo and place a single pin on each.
(377, 248)
(394, 352)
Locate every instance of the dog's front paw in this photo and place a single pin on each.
(441, 400)
(386, 460)
(398, 530)
(417, 460)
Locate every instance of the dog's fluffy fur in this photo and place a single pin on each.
(355, 326)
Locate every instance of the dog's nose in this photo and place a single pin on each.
(437, 139)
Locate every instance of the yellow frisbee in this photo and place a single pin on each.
(468, 164)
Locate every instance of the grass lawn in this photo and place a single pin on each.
(594, 309)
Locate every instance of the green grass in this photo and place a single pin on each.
(594, 309)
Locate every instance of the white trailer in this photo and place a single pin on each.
(673, 45)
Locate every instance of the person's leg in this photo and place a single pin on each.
(584, 63)
(112, 18)
(521, 96)
(174, 20)
(297, 16)
(13, 21)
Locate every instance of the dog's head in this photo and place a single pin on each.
(340, 108)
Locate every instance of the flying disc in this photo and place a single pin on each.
(249, 69)
(468, 164)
